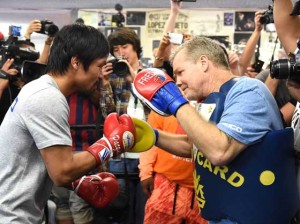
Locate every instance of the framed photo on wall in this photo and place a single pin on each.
(244, 21)
(135, 18)
(228, 19)
(241, 38)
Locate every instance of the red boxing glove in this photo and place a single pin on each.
(119, 136)
(98, 190)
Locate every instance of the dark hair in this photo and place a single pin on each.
(79, 20)
(85, 42)
(122, 36)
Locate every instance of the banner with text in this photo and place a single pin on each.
(156, 22)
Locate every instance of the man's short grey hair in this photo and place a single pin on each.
(200, 45)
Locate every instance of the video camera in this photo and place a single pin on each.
(48, 28)
(118, 18)
(31, 70)
(287, 68)
(24, 56)
(267, 17)
(19, 50)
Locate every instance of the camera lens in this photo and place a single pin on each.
(280, 69)
(51, 29)
(120, 68)
(266, 19)
(263, 20)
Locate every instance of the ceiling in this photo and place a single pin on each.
(109, 4)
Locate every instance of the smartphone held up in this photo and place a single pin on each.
(258, 66)
(176, 38)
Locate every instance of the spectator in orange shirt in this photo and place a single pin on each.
(168, 181)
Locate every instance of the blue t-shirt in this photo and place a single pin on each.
(250, 111)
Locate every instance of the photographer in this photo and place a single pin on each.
(287, 23)
(13, 84)
(36, 26)
(5, 82)
(117, 96)
(287, 27)
(9, 89)
(278, 90)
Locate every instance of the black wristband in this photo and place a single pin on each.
(5, 75)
